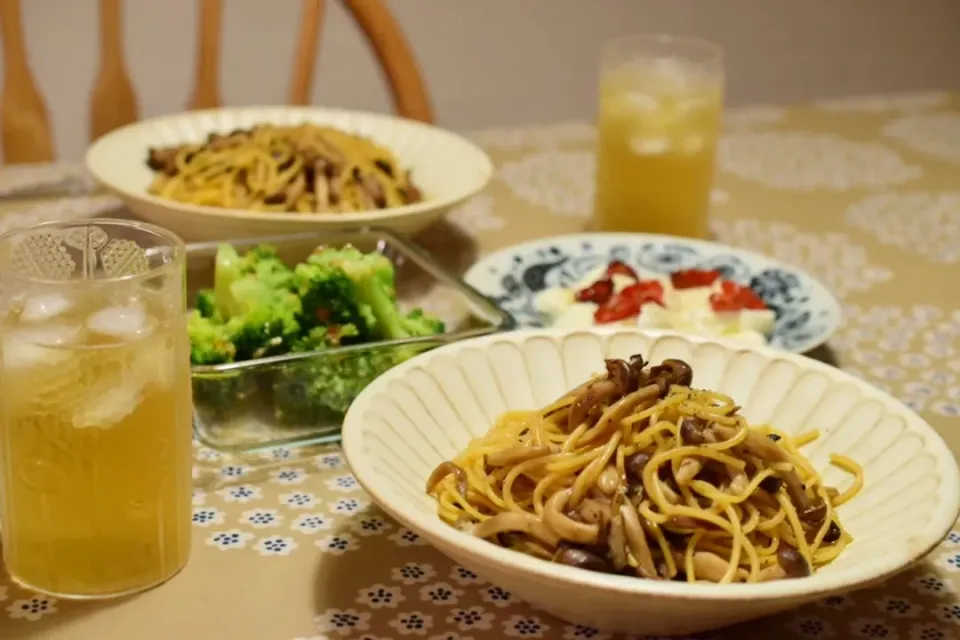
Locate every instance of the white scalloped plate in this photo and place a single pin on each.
(448, 169)
(426, 410)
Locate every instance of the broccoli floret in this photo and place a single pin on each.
(267, 324)
(419, 323)
(372, 277)
(206, 304)
(260, 264)
(210, 342)
(263, 262)
(328, 298)
(320, 338)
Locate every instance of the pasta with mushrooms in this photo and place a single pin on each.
(304, 168)
(637, 472)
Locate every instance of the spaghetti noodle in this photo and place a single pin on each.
(636, 472)
(305, 168)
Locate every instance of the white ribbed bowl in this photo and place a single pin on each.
(425, 410)
(448, 169)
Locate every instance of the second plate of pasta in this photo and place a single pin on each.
(261, 171)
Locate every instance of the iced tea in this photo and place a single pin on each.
(95, 431)
(661, 102)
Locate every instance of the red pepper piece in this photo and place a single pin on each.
(598, 292)
(733, 297)
(645, 291)
(628, 303)
(691, 278)
(617, 268)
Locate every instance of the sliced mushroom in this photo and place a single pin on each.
(582, 559)
(593, 511)
(513, 455)
(767, 449)
(163, 159)
(374, 188)
(617, 542)
(773, 572)
(634, 465)
(709, 566)
(590, 397)
(739, 483)
(637, 541)
(694, 430)
(793, 564)
(623, 408)
(565, 527)
(673, 372)
(609, 480)
(445, 469)
(508, 521)
(833, 533)
(688, 470)
(622, 374)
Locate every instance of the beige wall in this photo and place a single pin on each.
(502, 62)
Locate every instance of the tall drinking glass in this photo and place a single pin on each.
(661, 102)
(95, 408)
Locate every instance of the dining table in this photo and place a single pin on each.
(862, 192)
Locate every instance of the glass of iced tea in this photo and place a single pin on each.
(95, 408)
(661, 103)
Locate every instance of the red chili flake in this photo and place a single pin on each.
(629, 302)
(618, 268)
(691, 278)
(598, 292)
(733, 297)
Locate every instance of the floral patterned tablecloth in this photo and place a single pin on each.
(864, 193)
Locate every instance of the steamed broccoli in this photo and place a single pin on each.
(362, 283)
(260, 307)
(210, 342)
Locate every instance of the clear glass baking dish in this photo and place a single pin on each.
(301, 398)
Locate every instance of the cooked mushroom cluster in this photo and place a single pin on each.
(636, 472)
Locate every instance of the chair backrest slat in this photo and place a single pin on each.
(305, 56)
(25, 131)
(395, 56)
(25, 134)
(206, 74)
(113, 102)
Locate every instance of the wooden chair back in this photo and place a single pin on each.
(25, 132)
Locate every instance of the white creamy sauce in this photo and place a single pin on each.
(686, 310)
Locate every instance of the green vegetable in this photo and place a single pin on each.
(210, 342)
(261, 307)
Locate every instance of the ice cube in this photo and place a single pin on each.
(692, 145)
(44, 307)
(129, 321)
(23, 348)
(108, 406)
(642, 101)
(650, 146)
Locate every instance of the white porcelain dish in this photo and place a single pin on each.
(426, 410)
(806, 312)
(448, 169)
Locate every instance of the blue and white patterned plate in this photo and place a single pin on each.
(807, 312)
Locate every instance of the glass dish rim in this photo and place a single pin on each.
(410, 249)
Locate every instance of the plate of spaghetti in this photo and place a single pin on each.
(638, 473)
(652, 482)
(262, 171)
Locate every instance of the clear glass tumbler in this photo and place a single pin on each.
(661, 104)
(95, 408)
